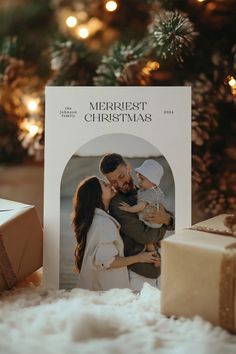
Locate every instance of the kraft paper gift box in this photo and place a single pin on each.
(21, 240)
(199, 273)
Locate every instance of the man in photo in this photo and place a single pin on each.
(134, 232)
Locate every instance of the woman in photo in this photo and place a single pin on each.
(99, 255)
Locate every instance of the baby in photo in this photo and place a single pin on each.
(150, 194)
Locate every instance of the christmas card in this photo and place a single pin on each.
(112, 156)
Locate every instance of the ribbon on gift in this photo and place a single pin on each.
(227, 288)
(5, 266)
(227, 279)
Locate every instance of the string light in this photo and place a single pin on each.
(89, 28)
(71, 21)
(32, 105)
(33, 129)
(154, 65)
(30, 128)
(83, 32)
(231, 81)
(150, 66)
(111, 6)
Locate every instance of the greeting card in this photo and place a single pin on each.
(117, 181)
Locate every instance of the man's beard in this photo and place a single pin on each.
(127, 188)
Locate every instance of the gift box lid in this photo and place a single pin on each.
(204, 239)
(9, 209)
(6, 205)
(217, 222)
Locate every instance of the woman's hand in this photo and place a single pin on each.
(158, 216)
(146, 257)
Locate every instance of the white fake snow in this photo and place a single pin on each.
(34, 320)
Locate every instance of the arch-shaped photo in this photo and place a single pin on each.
(117, 201)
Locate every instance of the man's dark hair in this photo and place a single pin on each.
(110, 162)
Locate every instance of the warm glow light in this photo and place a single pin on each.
(211, 6)
(30, 128)
(154, 65)
(83, 32)
(232, 81)
(71, 21)
(233, 90)
(32, 105)
(111, 6)
(82, 16)
(146, 71)
(200, 0)
(150, 66)
(94, 25)
(33, 129)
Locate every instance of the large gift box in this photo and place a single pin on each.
(199, 273)
(21, 239)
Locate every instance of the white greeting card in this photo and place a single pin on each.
(85, 123)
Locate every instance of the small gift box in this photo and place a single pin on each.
(199, 273)
(21, 240)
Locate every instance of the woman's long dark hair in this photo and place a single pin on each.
(88, 196)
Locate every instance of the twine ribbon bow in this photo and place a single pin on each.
(227, 275)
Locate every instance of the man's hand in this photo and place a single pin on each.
(124, 206)
(158, 216)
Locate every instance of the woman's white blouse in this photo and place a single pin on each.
(104, 243)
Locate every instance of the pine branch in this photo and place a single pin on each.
(9, 46)
(112, 64)
(172, 35)
(72, 62)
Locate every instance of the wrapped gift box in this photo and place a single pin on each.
(21, 240)
(199, 273)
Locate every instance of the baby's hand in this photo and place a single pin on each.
(124, 206)
(158, 216)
